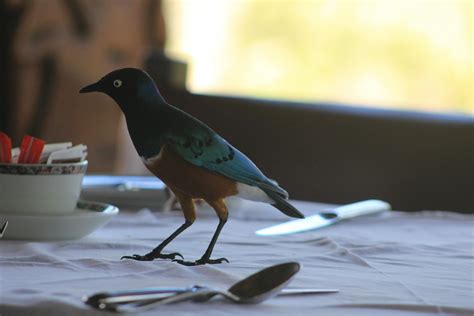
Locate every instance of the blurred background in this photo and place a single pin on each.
(396, 54)
(413, 56)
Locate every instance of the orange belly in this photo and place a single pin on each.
(187, 178)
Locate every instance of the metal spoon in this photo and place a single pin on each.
(254, 289)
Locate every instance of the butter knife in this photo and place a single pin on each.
(326, 218)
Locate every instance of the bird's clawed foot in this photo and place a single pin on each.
(201, 261)
(152, 256)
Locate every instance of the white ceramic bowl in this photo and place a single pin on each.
(86, 218)
(40, 188)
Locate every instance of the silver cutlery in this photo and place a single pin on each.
(3, 229)
(326, 218)
(255, 288)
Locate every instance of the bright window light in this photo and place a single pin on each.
(400, 54)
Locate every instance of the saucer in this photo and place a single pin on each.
(86, 218)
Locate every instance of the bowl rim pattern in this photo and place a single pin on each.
(44, 169)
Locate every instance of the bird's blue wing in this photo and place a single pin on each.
(206, 149)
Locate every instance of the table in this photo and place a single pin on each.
(394, 263)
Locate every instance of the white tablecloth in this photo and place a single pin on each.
(392, 264)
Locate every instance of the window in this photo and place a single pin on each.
(397, 54)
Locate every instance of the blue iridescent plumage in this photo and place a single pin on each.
(192, 159)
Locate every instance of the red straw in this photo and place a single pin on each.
(36, 150)
(25, 148)
(30, 149)
(5, 148)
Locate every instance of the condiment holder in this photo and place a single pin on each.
(40, 188)
(39, 178)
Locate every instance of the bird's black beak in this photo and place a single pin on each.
(90, 88)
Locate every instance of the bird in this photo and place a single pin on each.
(188, 156)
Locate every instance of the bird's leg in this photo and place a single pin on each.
(221, 210)
(156, 253)
(187, 205)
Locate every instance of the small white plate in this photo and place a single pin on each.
(86, 218)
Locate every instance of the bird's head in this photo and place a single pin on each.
(125, 86)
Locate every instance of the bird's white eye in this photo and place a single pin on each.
(117, 83)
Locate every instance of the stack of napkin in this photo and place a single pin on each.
(34, 150)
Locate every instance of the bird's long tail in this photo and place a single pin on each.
(282, 204)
